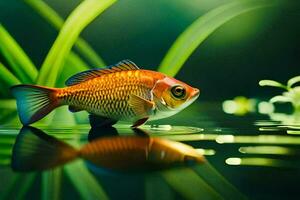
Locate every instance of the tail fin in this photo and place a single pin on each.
(34, 102)
(35, 150)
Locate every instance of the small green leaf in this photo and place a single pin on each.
(280, 99)
(271, 83)
(292, 81)
(203, 27)
(82, 15)
(19, 62)
(57, 22)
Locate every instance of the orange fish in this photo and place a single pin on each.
(119, 92)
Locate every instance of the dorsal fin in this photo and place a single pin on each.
(93, 73)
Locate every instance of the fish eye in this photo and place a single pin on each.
(178, 91)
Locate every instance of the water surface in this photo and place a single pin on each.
(248, 157)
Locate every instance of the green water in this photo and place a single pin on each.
(248, 157)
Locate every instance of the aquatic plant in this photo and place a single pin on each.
(60, 58)
(61, 61)
(202, 28)
(291, 92)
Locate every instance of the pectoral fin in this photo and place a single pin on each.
(141, 106)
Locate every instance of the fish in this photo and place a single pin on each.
(120, 92)
(34, 150)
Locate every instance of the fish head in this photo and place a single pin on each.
(174, 95)
(166, 153)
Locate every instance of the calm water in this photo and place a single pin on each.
(248, 157)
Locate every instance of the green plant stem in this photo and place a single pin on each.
(203, 27)
(87, 11)
(19, 62)
(57, 22)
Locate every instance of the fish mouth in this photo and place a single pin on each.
(195, 93)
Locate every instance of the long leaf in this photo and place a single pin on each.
(85, 183)
(189, 185)
(51, 182)
(7, 77)
(57, 22)
(86, 12)
(213, 178)
(204, 26)
(19, 62)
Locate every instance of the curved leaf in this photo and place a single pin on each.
(19, 62)
(57, 22)
(292, 81)
(199, 30)
(86, 12)
(271, 83)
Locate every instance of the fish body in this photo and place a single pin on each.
(120, 92)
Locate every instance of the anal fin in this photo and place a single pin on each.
(97, 121)
(75, 109)
(139, 122)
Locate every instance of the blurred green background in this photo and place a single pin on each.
(261, 44)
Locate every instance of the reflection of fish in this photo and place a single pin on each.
(35, 150)
(119, 92)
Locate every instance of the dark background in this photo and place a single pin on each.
(261, 44)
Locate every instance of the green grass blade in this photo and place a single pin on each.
(57, 22)
(51, 183)
(212, 177)
(86, 12)
(7, 77)
(157, 188)
(19, 186)
(27, 184)
(84, 182)
(19, 62)
(199, 30)
(189, 185)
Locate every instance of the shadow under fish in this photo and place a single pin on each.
(35, 151)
